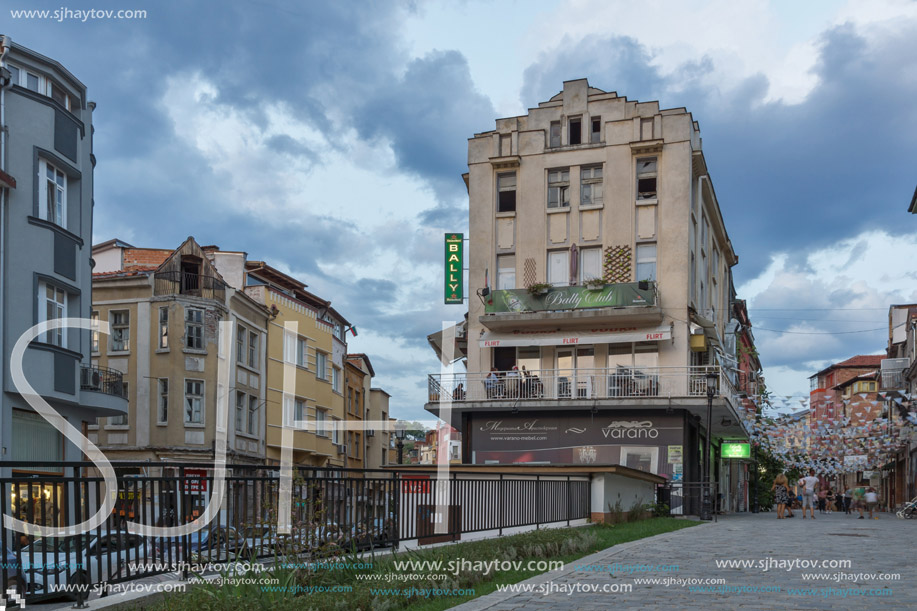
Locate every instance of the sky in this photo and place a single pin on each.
(329, 139)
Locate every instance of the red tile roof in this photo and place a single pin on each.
(862, 360)
(126, 273)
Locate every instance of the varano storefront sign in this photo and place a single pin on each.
(571, 298)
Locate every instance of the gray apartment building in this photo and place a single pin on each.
(46, 201)
(600, 292)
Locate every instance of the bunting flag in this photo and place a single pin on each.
(853, 435)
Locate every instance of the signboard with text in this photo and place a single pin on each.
(573, 298)
(736, 450)
(455, 289)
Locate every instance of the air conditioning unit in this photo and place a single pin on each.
(370, 432)
(342, 449)
(91, 379)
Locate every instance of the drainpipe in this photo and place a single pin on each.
(5, 43)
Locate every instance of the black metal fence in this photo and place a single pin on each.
(332, 511)
(102, 379)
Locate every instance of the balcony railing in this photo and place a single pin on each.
(186, 283)
(892, 374)
(102, 379)
(610, 383)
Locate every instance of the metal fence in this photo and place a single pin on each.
(612, 382)
(332, 511)
(186, 283)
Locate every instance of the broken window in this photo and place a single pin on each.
(576, 131)
(120, 331)
(595, 135)
(555, 134)
(194, 329)
(506, 192)
(194, 401)
(559, 188)
(646, 178)
(591, 186)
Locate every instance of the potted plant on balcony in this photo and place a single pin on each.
(594, 284)
(539, 288)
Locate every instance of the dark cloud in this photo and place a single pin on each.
(789, 178)
(428, 115)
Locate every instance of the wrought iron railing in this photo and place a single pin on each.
(186, 283)
(609, 383)
(102, 379)
(331, 511)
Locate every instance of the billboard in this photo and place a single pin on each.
(454, 289)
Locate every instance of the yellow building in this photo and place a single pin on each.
(165, 309)
(306, 336)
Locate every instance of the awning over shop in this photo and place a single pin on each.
(572, 337)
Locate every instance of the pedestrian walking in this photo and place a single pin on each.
(822, 500)
(782, 496)
(872, 499)
(848, 500)
(809, 485)
(859, 500)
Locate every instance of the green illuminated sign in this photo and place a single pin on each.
(455, 288)
(736, 450)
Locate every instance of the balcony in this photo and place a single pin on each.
(102, 389)
(550, 384)
(630, 302)
(185, 283)
(893, 374)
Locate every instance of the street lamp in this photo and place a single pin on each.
(706, 512)
(401, 431)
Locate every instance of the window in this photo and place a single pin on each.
(252, 349)
(194, 401)
(595, 136)
(554, 134)
(506, 192)
(120, 331)
(704, 231)
(52, 193)
(240, 344)
(299, 411)
(52, 306)
(321, 365)
(163, 327)
(253, 415)
(162, 413)
(240, 410)
(302, 355)
(122, 419)
(94, 332)
(559, 268)
(591, 186)
(335, 430)
(14, 74)
(321, 423)
(646, 178)
(590, 264)
(575, 135)
(194, 329)
(336, 378)
(558, 188)
(506, 272)
(646, 262)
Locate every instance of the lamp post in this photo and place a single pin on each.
(401, 430)
(706, 511)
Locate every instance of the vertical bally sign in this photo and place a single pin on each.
(455, 292)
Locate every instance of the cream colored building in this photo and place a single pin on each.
(609, 202)
(165, 308)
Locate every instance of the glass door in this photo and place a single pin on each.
(564, 372)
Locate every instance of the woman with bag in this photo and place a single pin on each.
(782, 496)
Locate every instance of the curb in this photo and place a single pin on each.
(494, 598)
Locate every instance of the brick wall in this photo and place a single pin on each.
(144, 257)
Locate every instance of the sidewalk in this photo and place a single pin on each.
(871, 549)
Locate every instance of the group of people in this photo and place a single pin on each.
(812, 494)
(513, 384)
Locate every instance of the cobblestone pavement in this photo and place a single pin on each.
(884, 546)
